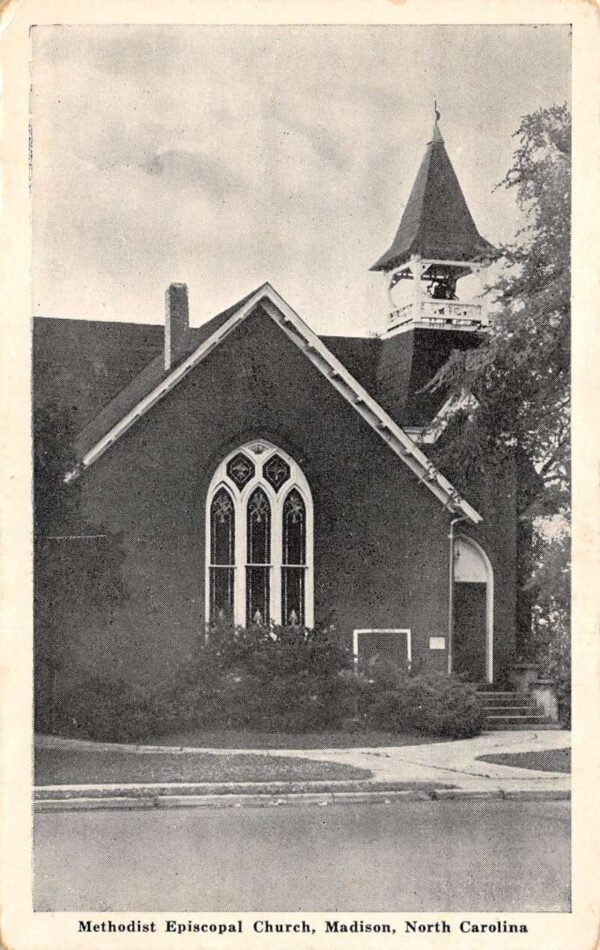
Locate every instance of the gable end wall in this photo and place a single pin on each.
(381, 550)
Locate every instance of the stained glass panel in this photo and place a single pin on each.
(221, 593)
(259, 528)
(293, 553)
(292, 595)
(222, 528)
(276, 471)
(294, 529)
(222, 555)
(240, 469)
(257, 595)
(258, 553)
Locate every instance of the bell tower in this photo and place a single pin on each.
(436, 245)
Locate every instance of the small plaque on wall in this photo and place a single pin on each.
(437, 643)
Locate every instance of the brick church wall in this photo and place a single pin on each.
(381, 538)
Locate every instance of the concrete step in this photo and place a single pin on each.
(498, 692)
(501, 699)
(531, 719)
(508, 703)
(521, 727)
(506, 710)
(505, 703)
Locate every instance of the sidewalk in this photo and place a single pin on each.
(456, 762)
(448, 763)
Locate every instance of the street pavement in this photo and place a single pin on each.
(467, 856)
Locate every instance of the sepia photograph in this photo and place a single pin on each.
(301, 497)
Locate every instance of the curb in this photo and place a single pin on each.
(295, 798)
(219, 789)
(538, 795)
(449, 794)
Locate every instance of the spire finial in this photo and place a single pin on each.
(437, 135)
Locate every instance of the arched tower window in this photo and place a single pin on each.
(259, 545)
(222, 555)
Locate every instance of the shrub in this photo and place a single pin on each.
(114, 710)
(447, 706)
(278, 679)
(285, 679)
(433, 703)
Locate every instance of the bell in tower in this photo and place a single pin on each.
(436, 245)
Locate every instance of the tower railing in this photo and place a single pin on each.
(453, 314)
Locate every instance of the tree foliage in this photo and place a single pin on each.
(519, 377)
(77, 566)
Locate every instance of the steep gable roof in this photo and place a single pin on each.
(143, 383)
(436, 223)
(319, 355)
(82, 364)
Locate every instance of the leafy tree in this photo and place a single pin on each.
(77, 567)
(519, 378)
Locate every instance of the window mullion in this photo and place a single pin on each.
(276, 559)
(239, 575)
(309, 584)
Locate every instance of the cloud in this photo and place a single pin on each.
(317, 130)
(224, 156)
(148, 147)
(183, 167)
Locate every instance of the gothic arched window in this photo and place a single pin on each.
(259, 542)
(222, 555)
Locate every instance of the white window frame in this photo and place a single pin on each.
(405, 630)
(260, 451)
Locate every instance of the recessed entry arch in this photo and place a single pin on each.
(473, 620)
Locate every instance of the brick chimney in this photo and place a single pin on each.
(177, 323)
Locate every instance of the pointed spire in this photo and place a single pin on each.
(436, 223)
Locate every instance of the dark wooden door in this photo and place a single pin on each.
(468, 646)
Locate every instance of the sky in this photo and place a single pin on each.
(225, 156)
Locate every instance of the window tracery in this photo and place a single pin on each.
(259, 540)
(276, 471)
(240, 470)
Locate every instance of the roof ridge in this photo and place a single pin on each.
(97, 322)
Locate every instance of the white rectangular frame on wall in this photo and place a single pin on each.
(405, 630)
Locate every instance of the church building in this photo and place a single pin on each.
(251, 471)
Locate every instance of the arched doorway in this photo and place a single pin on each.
(473, 626)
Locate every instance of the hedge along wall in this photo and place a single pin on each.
(381, 546)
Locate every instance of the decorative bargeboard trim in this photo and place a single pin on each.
(333, 370)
